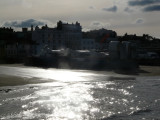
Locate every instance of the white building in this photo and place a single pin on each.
(63, 36)
(11, 50)
(19, 50)
(43, 37)
(67, 36)
(88, 44)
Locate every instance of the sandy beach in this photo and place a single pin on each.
(149, 71)
(37, 93)
(14, 80)
(11, 80)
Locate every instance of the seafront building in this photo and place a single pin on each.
(63, 36)
(66, 35)
(87, 44)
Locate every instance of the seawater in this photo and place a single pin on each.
(79, 95)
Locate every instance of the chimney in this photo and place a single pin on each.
(31, 28)
(24, 29)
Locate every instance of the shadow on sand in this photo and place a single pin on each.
(137, 71)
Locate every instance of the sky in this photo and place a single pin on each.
(123, 16)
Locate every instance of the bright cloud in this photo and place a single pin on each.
(118, 15)
(26, 23)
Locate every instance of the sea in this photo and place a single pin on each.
(78, 95)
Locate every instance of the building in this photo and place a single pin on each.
(19, 45)
(102, 37)
(2, 49)
(63, 36)
(144, 43)
(87, 44)
(68, 35)
(43, 37)
(6, 35)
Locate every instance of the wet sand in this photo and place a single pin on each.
(149, 71)
(6, 80)
(142, 71)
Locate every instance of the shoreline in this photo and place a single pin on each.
(143, 70)
(7, 80)
(149, 70)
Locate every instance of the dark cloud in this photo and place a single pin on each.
(152, 8)
(111, 9)
(96, 23)
(128, 10)
(148, 5)
(142, 2)
(139, 21)
(24, 23)
(91, 7)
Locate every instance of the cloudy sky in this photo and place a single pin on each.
(131, 16)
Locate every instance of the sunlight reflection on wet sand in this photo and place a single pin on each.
(74, 95)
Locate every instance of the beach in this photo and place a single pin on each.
(149, 71)
(36, 93)
(13, 80)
